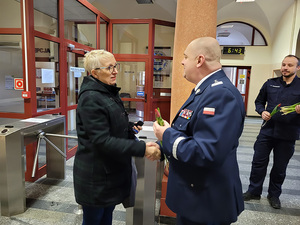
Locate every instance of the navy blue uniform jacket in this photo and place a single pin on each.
(204, 183)
(273, 92)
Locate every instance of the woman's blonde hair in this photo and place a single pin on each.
(93, 59)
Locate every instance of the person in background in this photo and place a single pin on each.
(278, 132)
(102, 166)
(204, 186)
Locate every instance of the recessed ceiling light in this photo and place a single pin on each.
(226, 26)
(245, 0)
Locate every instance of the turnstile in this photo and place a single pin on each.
(13, 139)
(149, 178)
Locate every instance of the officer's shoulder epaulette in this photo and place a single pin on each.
(216, 83)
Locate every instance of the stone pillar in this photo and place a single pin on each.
(194, 18)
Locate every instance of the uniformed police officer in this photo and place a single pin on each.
(203, 183)
(278, 132)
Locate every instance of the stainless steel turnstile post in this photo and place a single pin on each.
(13, 139)
(143, 213)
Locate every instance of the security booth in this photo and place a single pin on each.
(13, 140)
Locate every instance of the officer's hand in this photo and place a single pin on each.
(265, 115)
(159, 130)
(297, 108)
(152, 151)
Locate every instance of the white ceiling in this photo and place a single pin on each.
(263, 14)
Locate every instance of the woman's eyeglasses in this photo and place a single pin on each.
(110, 68)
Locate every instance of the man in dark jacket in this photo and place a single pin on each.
(278, 132)
(204, 186)
(102, 165)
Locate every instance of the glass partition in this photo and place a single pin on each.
(103, 29)
(10, 14)
(162, 76)
(164, 38)
(242, 81)
(80, 23)
(240, 34)
(130, 38)
(131, 79)
(11, 65)
(45, 16)
(76, 73)
(47, 74)
(72, 129)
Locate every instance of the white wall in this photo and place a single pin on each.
(264, 59)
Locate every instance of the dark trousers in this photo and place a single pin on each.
(97, 216)
(283, 150)
(183, 221)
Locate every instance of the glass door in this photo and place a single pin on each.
(75, 75)
(131, 80)
(240, 77)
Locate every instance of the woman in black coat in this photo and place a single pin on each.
(102, 166)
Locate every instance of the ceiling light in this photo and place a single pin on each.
(144, 1)
(245, 0)
(226, 26)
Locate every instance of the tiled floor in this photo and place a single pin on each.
(51, 202)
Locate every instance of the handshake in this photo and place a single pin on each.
(152, 151)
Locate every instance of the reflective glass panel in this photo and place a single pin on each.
(72, 129)
(103, 27)
(162, 74)
(237, 33)
(80, 23)
(10, 14)
(230, 73)
(131, 79)
(76, 73)
(164, 37)
(130, 38)
(258, 39)
(45, 16)
(47, 74)
(11, 64)
(242, 79)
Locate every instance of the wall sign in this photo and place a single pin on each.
(19, 84)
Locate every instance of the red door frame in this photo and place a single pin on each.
(30, 108)
(147, 58)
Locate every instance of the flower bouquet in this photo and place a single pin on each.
(274, 111)
(160, 122)
(288, 109)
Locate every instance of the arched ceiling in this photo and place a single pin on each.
(264, 14)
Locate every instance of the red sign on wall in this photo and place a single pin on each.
(19, 84)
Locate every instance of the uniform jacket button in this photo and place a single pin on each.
(192, 185)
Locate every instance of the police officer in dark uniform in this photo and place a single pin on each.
(278, 132)
(204, 187)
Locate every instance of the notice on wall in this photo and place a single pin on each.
(77, 71)
(9, 82)
(47, 76)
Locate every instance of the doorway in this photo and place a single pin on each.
(240, 77)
